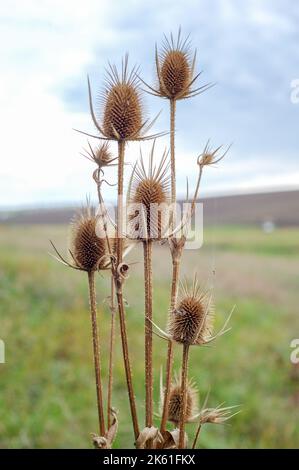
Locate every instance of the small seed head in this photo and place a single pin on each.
(149, 196)
(102, 155)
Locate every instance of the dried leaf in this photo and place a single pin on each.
(106, 442)
(149, 434)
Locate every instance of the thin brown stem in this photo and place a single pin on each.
(96, 351)
(196, 436)
(169, 363)
(183, 395)
(118, 286)
(111, 354)
(148, 333)
(119, 216)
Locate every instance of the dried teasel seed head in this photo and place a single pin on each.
(122, 116)
(175, 69)
(102, 155)
(211, 156)
(175, 401)
(191, 322)
(149, 200)
(88, 247)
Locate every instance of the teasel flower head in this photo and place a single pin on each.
(175, 66)
(175, 401)
(149, 199)
(122, 111)
(192, 320)
(100, 155)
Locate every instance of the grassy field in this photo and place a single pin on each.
(47, 396)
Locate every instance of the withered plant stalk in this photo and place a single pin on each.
(118, 286)
(147, 251)
(172, 155)
(96, 351)
(173, 298)
(111, 353)
(184, 378)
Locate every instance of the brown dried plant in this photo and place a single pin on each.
(99, 243)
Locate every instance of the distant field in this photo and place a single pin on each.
(280, 208)
(47, 396)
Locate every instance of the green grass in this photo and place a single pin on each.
(47, 393)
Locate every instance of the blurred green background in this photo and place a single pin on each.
(47, 392)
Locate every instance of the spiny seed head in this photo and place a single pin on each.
(102, 155)
(175, 73)
(149, 191)
(88, 249)
(191, 321)
(175, 402)
(149, 200)
(122, 116)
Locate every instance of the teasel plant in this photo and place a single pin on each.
(122, 121)
(176, 77)
(102, 157)
(89, 252)
(190, 324)
(99, 243)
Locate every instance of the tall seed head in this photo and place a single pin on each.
(191, 322)
(175, 402)
(88, 249)
(122, 116)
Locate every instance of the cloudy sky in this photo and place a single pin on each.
(47, 47)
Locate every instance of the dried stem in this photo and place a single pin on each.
(183, 395)
(175, 266)
(196, 436)
(172, 156)
(173, 299)
(118, 286)
(148, 333)
(111, 354)
(96, 351)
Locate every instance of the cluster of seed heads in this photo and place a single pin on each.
(94, 247)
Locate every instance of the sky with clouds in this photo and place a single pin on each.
(47, 47)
